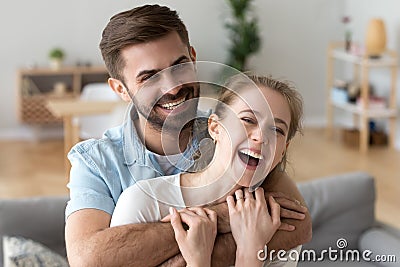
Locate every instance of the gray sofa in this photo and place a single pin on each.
(341, 206)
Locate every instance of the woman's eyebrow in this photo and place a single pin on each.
(280, 121)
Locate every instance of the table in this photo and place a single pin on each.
(70, 108)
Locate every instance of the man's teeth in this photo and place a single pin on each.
(251, 153)
(173, 105)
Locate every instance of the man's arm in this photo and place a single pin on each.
(91, 242)
(223, 254)
(282, 183)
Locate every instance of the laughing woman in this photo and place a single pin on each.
(252, 126)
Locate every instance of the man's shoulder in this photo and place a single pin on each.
(111, 141)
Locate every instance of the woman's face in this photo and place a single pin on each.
(252, 136)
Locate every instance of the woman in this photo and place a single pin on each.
(245, 136)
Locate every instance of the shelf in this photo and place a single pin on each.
(385, 61)
(36, 87)
(362, 65)
(65, 70)
(370, 113)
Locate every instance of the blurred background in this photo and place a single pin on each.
(294, 40)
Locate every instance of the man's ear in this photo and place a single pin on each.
(213, 126)
(118, 87)
(192, 53)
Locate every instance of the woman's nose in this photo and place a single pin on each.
(257, 135)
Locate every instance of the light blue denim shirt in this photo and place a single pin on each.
(103, 168)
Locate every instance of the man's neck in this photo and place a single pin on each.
(162, 143)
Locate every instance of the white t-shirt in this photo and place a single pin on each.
(149, 201)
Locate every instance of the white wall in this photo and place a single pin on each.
(295, 38)
(30, 29)
(361, 12)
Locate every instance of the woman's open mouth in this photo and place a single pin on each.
(250, 158)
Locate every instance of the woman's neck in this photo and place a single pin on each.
(211, 185)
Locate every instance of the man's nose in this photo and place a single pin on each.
(169, 84)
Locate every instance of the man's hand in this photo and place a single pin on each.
(290, 209)
(293, 203)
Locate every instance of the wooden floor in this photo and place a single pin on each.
(32, 169)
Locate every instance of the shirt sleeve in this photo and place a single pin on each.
(87, 188)
(135, 205)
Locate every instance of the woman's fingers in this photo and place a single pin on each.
(231, 204)
(176, 223)
(260, 196)
(248, 195)
(239, 195)
(199, 211)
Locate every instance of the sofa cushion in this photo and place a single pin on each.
(383, 242)
(21, 252)
(341, 206)
(40, 218)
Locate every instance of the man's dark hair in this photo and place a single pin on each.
(138, 25)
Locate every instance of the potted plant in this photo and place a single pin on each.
(56, 56)
(244, 34)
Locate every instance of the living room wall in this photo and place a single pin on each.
(295, 35)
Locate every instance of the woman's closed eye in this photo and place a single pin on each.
(278, 130)
(249, 120)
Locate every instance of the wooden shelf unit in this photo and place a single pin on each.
(363, 112)
(35, 89)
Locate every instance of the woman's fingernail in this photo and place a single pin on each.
(171, 210)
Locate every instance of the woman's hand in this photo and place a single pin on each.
(197, 243)
(251, 224)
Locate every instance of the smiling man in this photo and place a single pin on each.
(136, 46)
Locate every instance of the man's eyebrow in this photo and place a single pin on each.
(154, 71)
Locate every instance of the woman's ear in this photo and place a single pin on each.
(118, 87)
(213, 126)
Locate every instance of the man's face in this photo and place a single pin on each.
(160, 76)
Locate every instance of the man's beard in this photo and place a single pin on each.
(174, 121)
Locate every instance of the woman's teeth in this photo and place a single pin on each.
(251, 153)
(173, 105)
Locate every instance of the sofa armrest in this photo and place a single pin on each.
(41, 219)
(341, 206)
(382, 240)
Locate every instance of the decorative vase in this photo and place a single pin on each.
(375, 41)
(56, 63)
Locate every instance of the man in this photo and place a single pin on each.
(137, 45)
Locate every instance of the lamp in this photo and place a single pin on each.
(375, 41)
